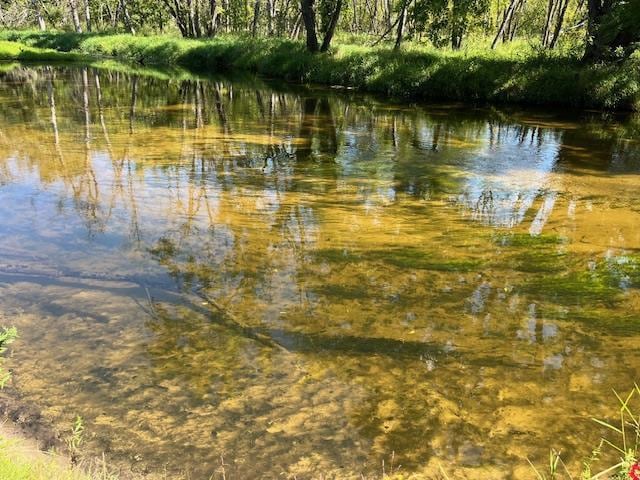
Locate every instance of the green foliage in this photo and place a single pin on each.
(7, 337)
(617, 31)
(514, 74)
(77, 435)
(445, 22)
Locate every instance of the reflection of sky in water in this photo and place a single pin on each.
(505, 181)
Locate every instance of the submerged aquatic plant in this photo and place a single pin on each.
(7, 336)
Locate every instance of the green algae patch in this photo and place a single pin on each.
(575, 288)
(541, 262)
(528, 240)
(415, 258)
(405, 257)
(624, 270)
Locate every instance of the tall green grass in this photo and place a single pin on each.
(622, 438)
(19, 462)
(517, 73)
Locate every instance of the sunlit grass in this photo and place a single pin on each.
(10, 50)
(18, 462)
(514, 73)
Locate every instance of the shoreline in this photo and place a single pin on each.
(416, 73)
(26, 422)
(31, 447)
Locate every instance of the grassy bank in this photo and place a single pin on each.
(17, 51)
(516, 74)
(20, 459)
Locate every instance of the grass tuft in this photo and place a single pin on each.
(19, 462)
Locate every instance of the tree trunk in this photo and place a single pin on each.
(456, 34)
(225, 8)
(270, 16)
(559, 22)
(113, 14)
(354, 25)
(400, 26)
(127, 18)
(388, 12)
(326, 42)
(309, 18)
(256, 18)
(594, 47)
(87, 15)
(176, 12)
(506, 20)
(295, 31)
(74, 16)
(39, 17)
(512, 27)
(547, 23)
(191, 18)
(213, 18)
(197, 31)
(374, 16)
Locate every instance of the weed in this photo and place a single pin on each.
(626, 444)
(75, 439)
(7, 336)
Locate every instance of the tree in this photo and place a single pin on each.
(610, 27)
(401, 20)
(329, 21)
(309, 19)
(507, 27)
(613, 27)
(87, 15)
(74, 16)
(36, 8)
(331, 26)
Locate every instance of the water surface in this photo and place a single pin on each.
(298, 283)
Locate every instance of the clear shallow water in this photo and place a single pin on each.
(309, 284)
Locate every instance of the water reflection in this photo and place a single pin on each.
(307, 284)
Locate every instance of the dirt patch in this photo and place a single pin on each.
(25, 421)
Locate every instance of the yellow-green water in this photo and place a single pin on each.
(309, 284)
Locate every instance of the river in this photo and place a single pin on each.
(278, 282)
